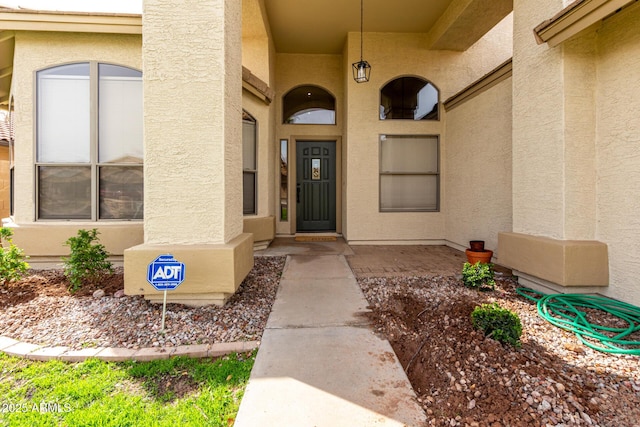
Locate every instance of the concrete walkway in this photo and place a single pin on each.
(319, 363)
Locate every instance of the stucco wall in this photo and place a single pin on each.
(618, 145)
(538, 124)
(38, 50)
(392, 56)
(255, 39)
(191, 74)
(579, 213)
(258, 55)
(478, 168)
(553, 130)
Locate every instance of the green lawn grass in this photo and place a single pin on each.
(171, 392)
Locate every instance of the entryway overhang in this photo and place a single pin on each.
(321, 26)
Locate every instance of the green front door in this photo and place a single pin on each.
(315, 186)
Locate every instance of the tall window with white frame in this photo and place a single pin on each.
(89, 155)
(409, 173)
(249, 164)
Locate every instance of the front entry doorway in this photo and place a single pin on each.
(315, 186)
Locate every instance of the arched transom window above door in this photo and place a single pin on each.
(309, 105)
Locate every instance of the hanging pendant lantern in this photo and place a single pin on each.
(361, 69)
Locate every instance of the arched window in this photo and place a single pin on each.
(249, 164)
(309, 105)
(89, 142)
(409, 98)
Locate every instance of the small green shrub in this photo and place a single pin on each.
(498, 323)
(478, 275)
(88, 260)
(12, 259)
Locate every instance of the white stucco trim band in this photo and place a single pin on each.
(486, 82)
(575, 18)
(19, 20)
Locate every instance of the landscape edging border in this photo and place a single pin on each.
(17, 348)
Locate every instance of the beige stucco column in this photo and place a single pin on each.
(554, 156)
(193, 151)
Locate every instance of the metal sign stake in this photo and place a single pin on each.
(164, 310)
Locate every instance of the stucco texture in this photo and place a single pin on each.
(192, 118)
(257, 46)
(538, 125)
(554, 131)
(618, 148)
(478, 168)
(258, 56)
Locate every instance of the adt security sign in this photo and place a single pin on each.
(165, 273)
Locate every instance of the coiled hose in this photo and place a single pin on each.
(564, 311)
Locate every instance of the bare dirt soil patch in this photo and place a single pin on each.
(464, 379)
(53, 283)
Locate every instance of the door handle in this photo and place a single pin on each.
(298, 194)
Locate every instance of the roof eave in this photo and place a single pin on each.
(31, 20)
(574, 18)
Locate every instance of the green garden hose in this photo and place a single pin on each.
(564, 311)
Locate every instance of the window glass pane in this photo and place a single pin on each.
(248, 193)
(248, 145)
(410, 98)
(63, 114)
(64, 192)
(313, 116)
(309, 105)
(120, 114)
(121, 192)
(12, 186)
(402, 154)
(427, 108)
(408, 192)
(284, 180)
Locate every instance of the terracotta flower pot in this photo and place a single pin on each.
(475, 256)
(476, 245)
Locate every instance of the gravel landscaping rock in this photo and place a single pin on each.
(464, 379)
(40, 310)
